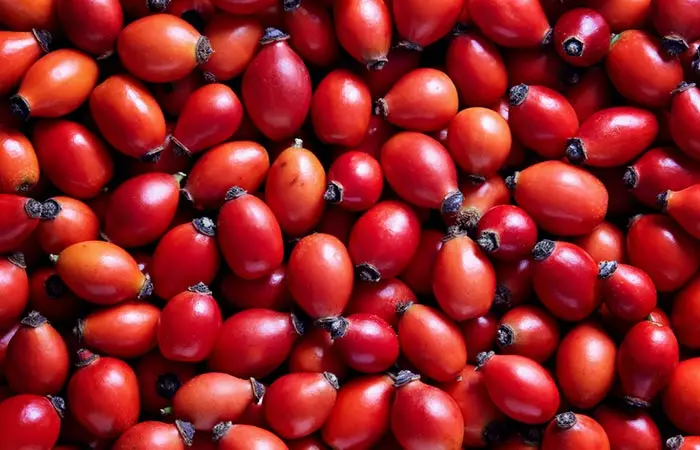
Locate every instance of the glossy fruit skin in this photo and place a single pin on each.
(235, 42)
(658, 246)
(528, 331)
(478, 411)
(71, 222)
(541, 119)
(249, 236)
(383, 240)
(320, 275)
(401, 61)
(479, 140)
(418, 275)
(513, 381)
(685, 109)
(239, 163)
(585, 365)
(581, 203)
(171, 271)
(243, 7)
(212, 397)
(355, 181)
(20, 50)
(210, 116)
(628, 292)
(648, 77)
(316, 352)
(408, 154)
(92, 27)
(268, 292)
(432, 342)
(104, 395)
(424, 416)
(366, 342)
(153, 435)
(480, 334)
(19, 166)
(537, 67)
(685, 310)
(605, 243)
(189, 325)
(565, 279)
(127, 116)
(623, 14)
(477, 69)
(679, 396)
(127, 330)
(101, 273)
(574, 431)
(55, 85)
(36, 361)
(294, 190)
(248, 437)
(511, 229)
(518, 24)
(628, 429)
(603, 138)
(647, 358)
(480, 196)
(14, 288)
(159, 380)
(73, 158)
(254, 342)
(682, 207)
(298, 404)
(364, 29)
(312, 35)
(30, 421)
(141, 209)
(421, 24)
(582, 37)
(464, 282)
(19, 219)
(380, 299)
(514, 284)
(592, 93)
(48, 294)
(361, 414)
(277, 90)
(422, 100)
(676, 19)
(25, 16)
(161, 48)
(341, 108)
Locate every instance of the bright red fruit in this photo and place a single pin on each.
(14, 289)
(679, 396)
(627, 291)
(582, 37)
(364, 29)
(506, 233)
(517, 24)
(66, 221)
(31, 422)
(19, 220)
(420, 24)
(685, 110)
(528, 331)
(20, 49)
(94, 26)
(574, 431)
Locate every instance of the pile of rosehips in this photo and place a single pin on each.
(349, 224)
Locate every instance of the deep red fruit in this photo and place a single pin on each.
(516, 24)
(159, 380)
(528, 331)
(582, 37)
(628, 429)
(104, 395)
(565, 279)
(685, 110)
(92, 27)
(685, 313)
(514, 284)
(269, 292)
(424, 416)
(277, 88)
(677, 21)
(189, 325)
(249, 235)
(541, 119)
(520, 387)
(592, 93)
(381, 299)
(19, 220)
(431, 341)
(464, 282)
(245, 437)
(418, 275)
(420, 24)
(185, 255)
(30, 421)
(682, 205)
(659, 247)
(49, 294)
(14, 289)
(605, 243)
(312, 35)
(298, 404)
(66, 221)
(401, 61)
(627, 291)
(364, 29)
(320, 275)
(255, 342)
(506, 233)
(679, 396)
(355, 181)
(569, 431)
(156, 435)
(316, 352)
(235, 40)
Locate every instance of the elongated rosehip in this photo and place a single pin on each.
(541, 119)
(92, 27)
(102, 273)
(579, 206)
(627, 291)
(565, 279)
(66, 221)
(277, 109)
(151, 434)
(516, 24)
(520, 387)
(422, 100)
(20, 49)
(364, 29)
(685, 312)
(604, 139)
(582, 37)
(679, 396)
(628, 427)
(14, 288)
(249, 235)
(685, 110)
(683, 205)
(162, 48)
(234, 40)
(464, 282)
(19, 166)
(245, 437)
